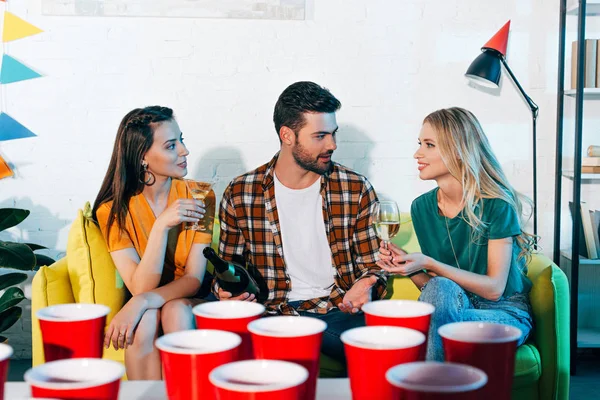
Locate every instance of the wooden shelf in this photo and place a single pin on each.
(588, 93)
(584, 177)
(592, 8)
(582, 261)
(588, 338)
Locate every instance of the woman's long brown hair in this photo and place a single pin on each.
(125, 175)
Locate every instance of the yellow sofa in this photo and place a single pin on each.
(88, 275)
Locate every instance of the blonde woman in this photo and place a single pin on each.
(474, 250)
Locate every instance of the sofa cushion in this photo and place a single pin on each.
(50, 286)
(93, 276)
(528, 366)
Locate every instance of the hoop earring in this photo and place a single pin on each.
(151, 178)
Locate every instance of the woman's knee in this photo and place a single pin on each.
(440, 290)
(175, 314)
(174, 308)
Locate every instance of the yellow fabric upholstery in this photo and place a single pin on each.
(50, 286)
(86, 275)
(92, 273)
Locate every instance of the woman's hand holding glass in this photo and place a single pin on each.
(182, 210)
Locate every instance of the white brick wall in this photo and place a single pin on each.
(389, 62)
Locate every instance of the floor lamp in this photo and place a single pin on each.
(485, 70)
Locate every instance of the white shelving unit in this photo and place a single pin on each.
(582, 260)
(592, 8)
(588, 93)
(587, 177)
(588, 338)
(583, 273)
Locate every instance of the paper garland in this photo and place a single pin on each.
(16, 28)
(11, 71)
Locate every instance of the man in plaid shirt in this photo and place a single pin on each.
(304, 221)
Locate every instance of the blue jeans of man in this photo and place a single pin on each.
(337, 323)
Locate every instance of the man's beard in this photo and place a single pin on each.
(306, 161)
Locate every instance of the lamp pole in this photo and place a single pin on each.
(534, 114)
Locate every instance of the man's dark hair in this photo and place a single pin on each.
(299, 98)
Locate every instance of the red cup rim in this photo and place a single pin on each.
(403, 376)
(224, 341)
(287, 326)
(6, 352)
(398, 309)
(219, 309)
(52, 313)
(365, 337)
(464, 331)
(69, 369)
(270, 371)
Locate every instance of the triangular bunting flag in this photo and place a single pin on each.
(16, 28)
(15, 71)
(5, 170)
(11, 129)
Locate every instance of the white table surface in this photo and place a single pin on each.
(327, 389)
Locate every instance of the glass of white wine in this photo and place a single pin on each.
(386, 220)
(198, 190)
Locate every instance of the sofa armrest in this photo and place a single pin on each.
(550, 302)
(50, 286)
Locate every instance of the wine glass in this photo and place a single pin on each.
(198, 190)
(386, 220)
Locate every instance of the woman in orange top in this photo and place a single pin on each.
(141, 209)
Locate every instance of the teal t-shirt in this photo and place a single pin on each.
(472, 253)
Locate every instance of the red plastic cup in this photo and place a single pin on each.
(231, 316)
(5, 353)
(188, 356)
(77, 378)
(404, 313)
(72, 330)
(434, 380)
(372, 350)
(289, 338)
(259, 380)
(487, 346)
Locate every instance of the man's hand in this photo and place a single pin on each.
(223, 295)
(358, 295)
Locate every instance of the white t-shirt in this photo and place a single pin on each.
(306, 248)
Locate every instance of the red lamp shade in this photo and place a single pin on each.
(500, 40)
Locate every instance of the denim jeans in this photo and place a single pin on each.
(454, 304)
(337, 323)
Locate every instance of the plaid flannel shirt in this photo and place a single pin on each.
(250, 232)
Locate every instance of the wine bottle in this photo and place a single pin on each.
(232, 277)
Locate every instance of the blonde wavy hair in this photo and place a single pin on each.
(467, 154)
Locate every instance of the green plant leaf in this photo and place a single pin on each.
(35, 247)
(11, 297)
(16, 255)
(12, 279)
(41, 260)
(9, 317)
(10, 217)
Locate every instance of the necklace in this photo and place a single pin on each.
(449, 235)
(452, 244)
